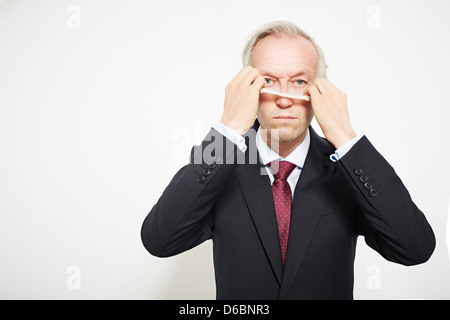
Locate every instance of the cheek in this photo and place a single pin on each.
(308, 109)
(308, 113)
(264, 109)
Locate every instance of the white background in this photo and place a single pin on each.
(101, 101)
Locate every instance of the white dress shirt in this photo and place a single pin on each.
(297, 157)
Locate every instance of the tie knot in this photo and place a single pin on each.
(281, 169)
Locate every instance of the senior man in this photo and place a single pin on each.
(283, 206)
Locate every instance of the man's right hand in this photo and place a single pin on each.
(241, 100)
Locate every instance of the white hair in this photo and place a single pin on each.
(282, 27)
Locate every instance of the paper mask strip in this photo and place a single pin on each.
(285, 95)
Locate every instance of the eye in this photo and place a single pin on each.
(300, 82)
(268, 81)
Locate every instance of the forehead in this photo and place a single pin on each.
(285, 55)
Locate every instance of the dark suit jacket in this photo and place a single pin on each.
(334, 203)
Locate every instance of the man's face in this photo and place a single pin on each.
(289, 64)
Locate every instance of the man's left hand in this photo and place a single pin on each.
(329, 105)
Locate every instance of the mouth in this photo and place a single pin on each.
(284, 118)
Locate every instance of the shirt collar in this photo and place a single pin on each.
(297, 157)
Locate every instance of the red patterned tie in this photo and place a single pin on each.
(282, 198)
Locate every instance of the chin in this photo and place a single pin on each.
(286, 134)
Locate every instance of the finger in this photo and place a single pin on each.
(326, 86)
(250, 77)
(329, 85)
(258, 84)
(241, 74)
(313, 91)
(321, 85)
(306, 90)
(314, 94)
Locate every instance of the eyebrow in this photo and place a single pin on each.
(300, 73)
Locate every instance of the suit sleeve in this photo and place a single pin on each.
(182, 219)
(388, 219)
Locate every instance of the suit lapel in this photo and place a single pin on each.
(309, 195)
(257, 191)
(258, 196)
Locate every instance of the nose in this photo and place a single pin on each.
(283, 103)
